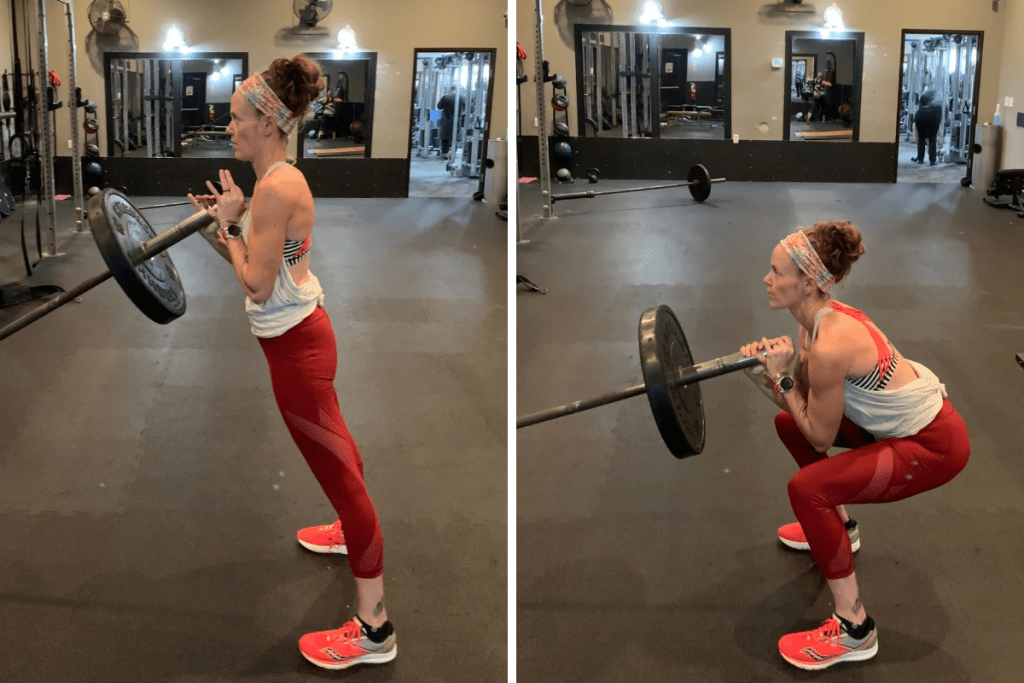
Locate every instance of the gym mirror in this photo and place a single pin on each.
(823, 85)
(652, 82)
(161, 106)
(340, 123)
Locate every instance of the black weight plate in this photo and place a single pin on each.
(119, 230)
(701, 179)
(6, 200)
(678, 409)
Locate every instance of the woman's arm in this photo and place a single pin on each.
(258, 262)
(820, 412)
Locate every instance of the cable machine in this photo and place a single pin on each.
(945, 64)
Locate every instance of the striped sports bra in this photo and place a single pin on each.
(888, 359)
(295, 251)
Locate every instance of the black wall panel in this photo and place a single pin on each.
(173, 177)
(747, 160)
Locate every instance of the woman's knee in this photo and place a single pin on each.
(801, 489)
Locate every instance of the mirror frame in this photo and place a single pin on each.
(371, 94)
(108, 57)
(656, 99)
(858, 75)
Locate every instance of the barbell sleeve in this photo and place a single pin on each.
(169, 238)
(580, 406)
(716, 367)
(53, 304)
(146, 250)
(690, 374)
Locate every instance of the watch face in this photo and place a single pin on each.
(235, 230)
(786, 383)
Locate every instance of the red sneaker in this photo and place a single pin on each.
(828, 645)
(792, 535)
(346, 646)
(326, 538)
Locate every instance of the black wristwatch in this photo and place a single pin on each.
(784, 383)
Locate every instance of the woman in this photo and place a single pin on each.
(849, 388)
(820, 94)
(267, 243)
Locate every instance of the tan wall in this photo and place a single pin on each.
(1011, 84)
(758, 35)
(391, 29)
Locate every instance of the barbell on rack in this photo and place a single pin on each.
(698, 180)
(135, 256)
(671, 382)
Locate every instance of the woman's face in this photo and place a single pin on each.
(787, 284)
(247, 128)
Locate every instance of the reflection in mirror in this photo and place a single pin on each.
(340, 123)
(450, 119)
(656, 82)
(160, 106)
(823, 85)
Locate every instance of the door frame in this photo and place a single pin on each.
(977, 91)
(488, 108)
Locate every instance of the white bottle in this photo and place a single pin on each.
(996, 118)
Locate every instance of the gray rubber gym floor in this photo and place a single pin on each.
(150, 493)
(635, 566)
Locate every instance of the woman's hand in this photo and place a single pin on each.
(780, 352)
(754, 349)
(228, 205)
(204, 202)
(774, 354)
(230, 202)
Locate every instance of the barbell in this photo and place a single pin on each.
(135, 256)
(698, 180)
(671, 382)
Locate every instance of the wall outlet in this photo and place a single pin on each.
(69, 145)
(736, 139)
(1009, 102)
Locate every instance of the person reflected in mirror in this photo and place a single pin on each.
(267, 242)
(848, 387)
(447, 123)
(927, 123)
(820, 89)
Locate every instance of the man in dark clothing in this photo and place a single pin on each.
(928, 121)
(447, 123)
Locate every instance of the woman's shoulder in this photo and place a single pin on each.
(285, 180)
(841, 334)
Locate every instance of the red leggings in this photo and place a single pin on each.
(303, 362)
(872, 472)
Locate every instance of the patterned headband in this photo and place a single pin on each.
(260, 95)
(806, 259)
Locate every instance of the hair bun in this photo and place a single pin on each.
(839, 245)
(295, 81)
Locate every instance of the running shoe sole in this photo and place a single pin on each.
(796, 545)
(852, 656)
(324, 549)
(371, 658)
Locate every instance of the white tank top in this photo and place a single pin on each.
(892, 413)
(289, 304)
